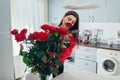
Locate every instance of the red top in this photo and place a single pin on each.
(66, 52)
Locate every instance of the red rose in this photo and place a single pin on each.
(68, 24)
(24, 31)
(45, 27)
(52, 28)
(43, 36)
(49, 27)
(14, 32)
(20, 37)
(34, 35)
(62, 30)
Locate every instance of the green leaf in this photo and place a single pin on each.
(23, 53)
(40, 54)
(56, 34)
(26, 60)
(66, 39)
(33, 49)
(55, 71)
(59, 62)
(59, 50)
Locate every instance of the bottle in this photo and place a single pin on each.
(110, 41)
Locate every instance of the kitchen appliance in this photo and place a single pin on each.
(96, 36)
(108, 63)
(85, 34)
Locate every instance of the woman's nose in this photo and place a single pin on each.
(70, 22)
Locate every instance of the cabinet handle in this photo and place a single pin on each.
(86, 64)
(87, 56)
(92, 18)
(87, 50)
(89, 18)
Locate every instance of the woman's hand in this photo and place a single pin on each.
(66, 42)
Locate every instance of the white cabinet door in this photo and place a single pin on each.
(85, 65)
(113, 11)
(69, 65)
(89, 50)
(93, 15)
(85, 14)
(86, 56)
(98, 14)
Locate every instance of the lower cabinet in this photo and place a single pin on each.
(69, 65)
(86, 59)
(85, 65)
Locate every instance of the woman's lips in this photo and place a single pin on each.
(68, 24)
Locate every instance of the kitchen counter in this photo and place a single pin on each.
(81, 75)
(102, 45)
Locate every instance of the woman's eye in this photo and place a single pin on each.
(73, 23)
(69, 19)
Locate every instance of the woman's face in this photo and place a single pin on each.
(69, 19)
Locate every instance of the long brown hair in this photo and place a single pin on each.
(75, 27)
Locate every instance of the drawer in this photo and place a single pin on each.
(85, 65)
(69, 66)
(87, 56)
(90, 50)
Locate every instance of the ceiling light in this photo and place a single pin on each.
(81, 6)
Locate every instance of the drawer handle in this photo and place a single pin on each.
(87, 50)
(86, 64)
(87, 56)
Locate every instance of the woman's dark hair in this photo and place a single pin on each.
(76, 25)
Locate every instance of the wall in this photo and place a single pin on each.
(109, 30)
(56, 10)
(6, 52)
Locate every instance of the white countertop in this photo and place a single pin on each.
(81, 75)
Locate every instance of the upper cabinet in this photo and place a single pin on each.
(94, 14)
(98, 14)
(112, 11)
(107, 11)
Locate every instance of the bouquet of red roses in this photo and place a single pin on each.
(40, 50)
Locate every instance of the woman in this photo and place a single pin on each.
(70, 21)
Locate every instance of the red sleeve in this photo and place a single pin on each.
(66, 52)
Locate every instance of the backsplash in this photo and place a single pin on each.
(110, 30)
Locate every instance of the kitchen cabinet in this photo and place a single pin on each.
(86, 59)
(98, 14)
(108, 11)
(112, 11)
(95, 14)
(69, 64)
